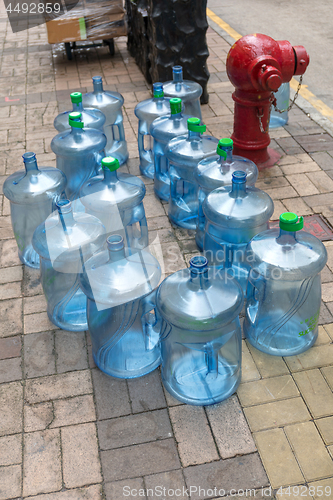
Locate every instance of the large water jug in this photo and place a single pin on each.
(234, 214)
(216, 171)
(92, 118)
(184, 154)
(284, 288)
(189, 92)
(121, 310)
(64, 242)
(200, 333)
(79, 153)
(147, 111)
(163, 130)
(32, 193)
(110, 103)
(282, 102)
(116, 200)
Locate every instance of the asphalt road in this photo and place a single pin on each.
(301, 22)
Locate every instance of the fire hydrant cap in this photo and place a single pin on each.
(289, 222)
(193, 124)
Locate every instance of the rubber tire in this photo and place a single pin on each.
(111, 46)
(68, 51)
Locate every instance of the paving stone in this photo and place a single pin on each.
(71, 353)
(134, 429)
(193, 435)
(266, 390)
(276, 414)
(219, 478)
(316, 142)
(38, 417)
(10, 347)
(325, 426)
(323, 486)
(58, 386)
(326, 314)
(231, 432)
(10, 482)
(297, 205)
(31, 282)
(328, 374)
(146, 392)
(34, 304)
(39, 357)
(11, 317)
(268, 366)
(122, 463)
(318, 199)
(42, 462)
(111, 396)
(37, 322)
(90, 493)
(249, 369)
(300, 168)
(304, 437)
(299, 492)
(157, 223)
(172, 257)
(10, 370)
(11, 449)
(11, 408)
(278, 458)
(169, 484)
(329, 329)
(153, 207)
(324, 160)
(8, 255)
(120, 489)
(323, 337)
(302, 184)
(315, 391)
(81, 464)
(75, 410)
(313, 358)
(322, 181)
(10, 274)
(171, 401)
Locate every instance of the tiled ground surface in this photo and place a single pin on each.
(70, 433)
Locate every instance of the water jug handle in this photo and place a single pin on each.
(151, 322)
(121, 131)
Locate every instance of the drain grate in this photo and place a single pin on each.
(313, 224)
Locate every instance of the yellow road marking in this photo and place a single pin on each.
(304, 92)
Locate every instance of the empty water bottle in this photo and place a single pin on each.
(32, 193)
(284, 288)
(92, 118)
(184, 154)
(216, 171)
(189, 92)
(200, 333)
(110, 103)
(282, 102)
(64, 242)
(79, 153)
(163, 130)
(147, 111)
(234, 214)
(116, 200)
(121, 310)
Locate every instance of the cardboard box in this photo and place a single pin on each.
(107, 26)
(66, 30)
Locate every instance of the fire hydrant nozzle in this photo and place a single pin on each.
(257, 65)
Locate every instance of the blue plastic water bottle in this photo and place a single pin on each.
(79, 154)
(116, 200)
(92, 118)
(64, 242)
(234, 214)
(284, 289)
(110, 103)
(200, 333)
(124, 330)
(189, 92)
(184, 154)
(32, 193)
(163, 130)
(147, 111)
(216, 171)
(282, 102)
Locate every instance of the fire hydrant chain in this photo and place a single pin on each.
(273, 103)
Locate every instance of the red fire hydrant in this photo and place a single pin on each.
(257, 65)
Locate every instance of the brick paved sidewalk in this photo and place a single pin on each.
(67, 431)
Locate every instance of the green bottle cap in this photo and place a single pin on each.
(290, 222)
(75, 120)
(76, 97)
(193, 124)
(111, 163)
(158, 90)
(175, 105)
(222, 145)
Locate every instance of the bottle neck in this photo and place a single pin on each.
(78, 106)
(194, 135)
(286, 237)
(30, 164)
(239, 189)
(228, 158)
(98, 87)
(176, 116)
(66, 216)
(110, 177)
(77, 132)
